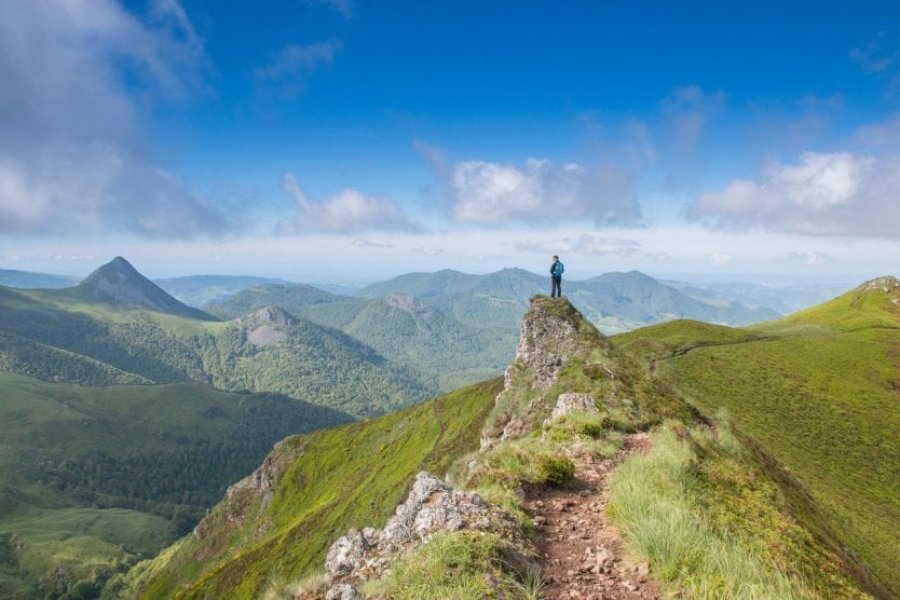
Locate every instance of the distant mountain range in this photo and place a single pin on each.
(26, 279)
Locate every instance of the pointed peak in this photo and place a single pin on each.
(118, 283)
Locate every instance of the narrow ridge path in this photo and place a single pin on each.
(583, 554)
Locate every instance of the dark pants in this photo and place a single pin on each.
(556, 286)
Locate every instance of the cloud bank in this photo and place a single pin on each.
(349, 211)
(73, 155)
(838, 193)
(541, 191)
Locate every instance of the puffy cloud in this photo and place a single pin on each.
(348, 212)
(73, 157)
(285, 76)
(837, 193)
(541, 191)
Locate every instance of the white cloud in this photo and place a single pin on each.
(426, 250)
(720, 259)
(349, 211)
(286, 74)
(73, 157)
(837, 193)
(541, 191)
(585, 244)
(811, 259)
(361, 243)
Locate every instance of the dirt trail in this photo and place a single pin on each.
(584, 556)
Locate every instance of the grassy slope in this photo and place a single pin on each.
(69, 454)
(332, 480)
(819, 390)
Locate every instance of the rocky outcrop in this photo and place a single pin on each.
(886, 284)
(256, 489)
(571, 401)
(408, 303)
(432, 507)
(546, 340)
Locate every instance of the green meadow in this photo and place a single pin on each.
(820, 392)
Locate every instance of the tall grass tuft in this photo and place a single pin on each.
(651, 500)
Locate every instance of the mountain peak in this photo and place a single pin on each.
(269, 315)
(118, 283)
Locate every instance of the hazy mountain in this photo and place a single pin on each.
(783, 298)
(296, 298)
(614, 301)
(197, 290)
(26, 279)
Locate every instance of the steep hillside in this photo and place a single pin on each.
(591, 474)
(819, 390)
(277, 523)
(94, 478)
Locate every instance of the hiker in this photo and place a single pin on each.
(556, 271)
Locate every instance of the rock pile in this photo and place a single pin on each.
(432, 507)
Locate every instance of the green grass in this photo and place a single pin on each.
(709, 538)
(329, 481)
(461, 565)
(818, 391)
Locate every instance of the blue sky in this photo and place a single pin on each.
(351, 140)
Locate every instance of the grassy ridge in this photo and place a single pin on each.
(326, 482)
(818, 390)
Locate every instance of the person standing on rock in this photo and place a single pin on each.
(556, 271)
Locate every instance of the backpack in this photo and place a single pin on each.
(559, 268)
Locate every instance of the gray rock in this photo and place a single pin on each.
(343, 591)
(347, 553)
(570, 401)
